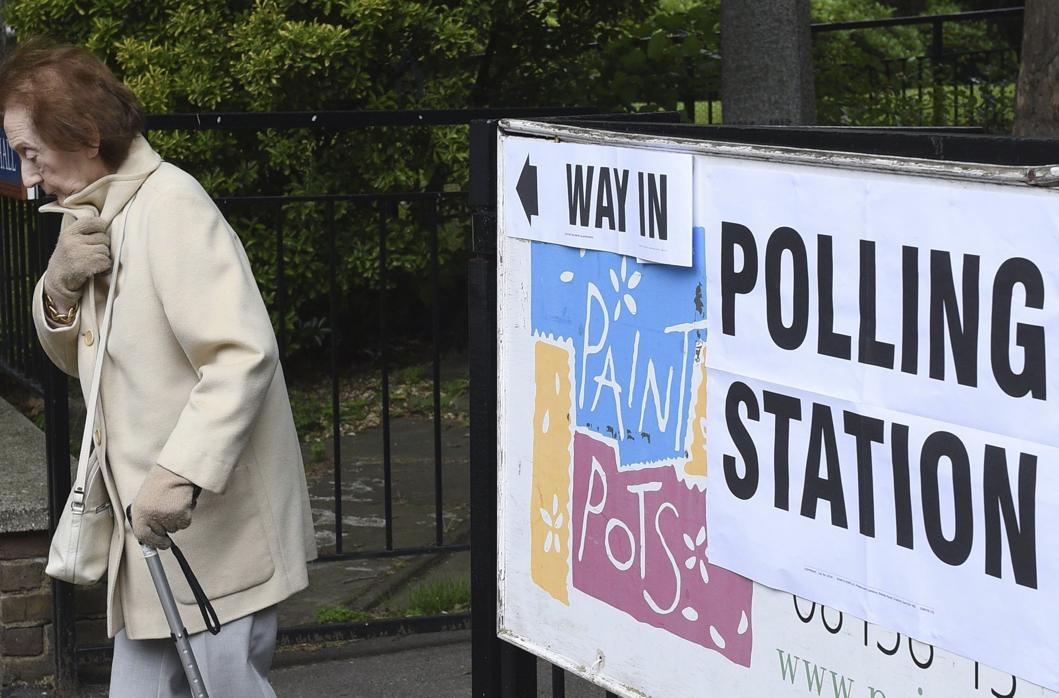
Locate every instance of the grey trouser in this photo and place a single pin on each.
(234, 663)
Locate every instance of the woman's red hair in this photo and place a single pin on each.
(73, 99)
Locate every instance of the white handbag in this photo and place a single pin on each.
(80, 546)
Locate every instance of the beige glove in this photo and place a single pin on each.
(163, 505)
(83, 250)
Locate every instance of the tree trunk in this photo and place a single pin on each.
(1037, 101)
(766, 62)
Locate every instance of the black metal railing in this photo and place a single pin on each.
(949, 83)
(436, 208)
(21, 261)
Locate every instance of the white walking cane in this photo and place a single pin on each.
(176, 625)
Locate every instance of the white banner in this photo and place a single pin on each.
(880, 395)
(626, 200)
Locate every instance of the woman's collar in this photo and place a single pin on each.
(106, 196)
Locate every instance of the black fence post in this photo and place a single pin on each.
(937, 58)
(481, 283)
(57, 444)
(518, 672)
(497, 668)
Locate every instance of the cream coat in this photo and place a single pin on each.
(191, 381)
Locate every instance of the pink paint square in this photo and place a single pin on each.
(639, 545)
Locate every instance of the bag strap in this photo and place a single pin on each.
(78, 495)
(209, 616)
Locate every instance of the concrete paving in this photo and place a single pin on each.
(406, 668)
(371, 584)
(436, 665)
(24, 496)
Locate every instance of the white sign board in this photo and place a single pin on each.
(617, 200)
(882, 412)
(608, 564)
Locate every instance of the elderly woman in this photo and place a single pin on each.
(191, 395)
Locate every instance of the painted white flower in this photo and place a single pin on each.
(693, 546)
(626, 297)
(554, 521)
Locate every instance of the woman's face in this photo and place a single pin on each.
(60, 172)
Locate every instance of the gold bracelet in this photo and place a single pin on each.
(55, 316)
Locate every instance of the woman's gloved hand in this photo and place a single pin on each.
(83, 249)
(163, 505)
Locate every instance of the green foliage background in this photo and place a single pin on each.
(288, 55)
(870, 77)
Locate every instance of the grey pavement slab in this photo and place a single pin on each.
(367, 584)
(404, 668)
(433, 665)
(24, 496)
(412, 481)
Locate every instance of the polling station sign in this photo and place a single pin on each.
(10, 172)
(882, 400)
(633, 548)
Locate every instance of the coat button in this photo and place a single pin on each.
(90, 338)
(97, 436)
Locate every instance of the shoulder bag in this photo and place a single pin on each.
(80, 546)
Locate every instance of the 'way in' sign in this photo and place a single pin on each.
(624, 200)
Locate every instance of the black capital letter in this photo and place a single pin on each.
(944, 444)
(870, 350)
(829, 342)
(910, 309)
(866, 430)
(742, 486)
(963, 333)
(784, 408)
(578, 193)
(734, 282)
(1021, 526)
(902, 486)
(1030, 337)
(786, 240)
(822, 432)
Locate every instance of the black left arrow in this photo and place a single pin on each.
(527, 190)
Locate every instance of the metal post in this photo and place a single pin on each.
(558, 682)
(937, 57)
(336, 412)
(497, 668)
(518, 672)
(485, 646)
(281, 282)
(689, 89)
(435, 333)
(384, 358)
(57, 445)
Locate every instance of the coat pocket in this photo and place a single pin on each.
(226, 544)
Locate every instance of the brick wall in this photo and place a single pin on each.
(26, 632)
(25, 609)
